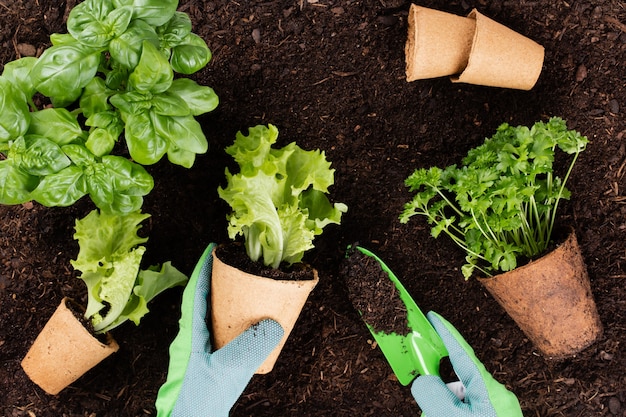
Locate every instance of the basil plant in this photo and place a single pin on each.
(111, 77)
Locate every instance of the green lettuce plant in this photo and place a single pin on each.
(109, 261)
(278, 198)
(501, 203)
(111, 77)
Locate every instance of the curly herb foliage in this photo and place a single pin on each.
(501, 203)
(111, 76)
(278, 197)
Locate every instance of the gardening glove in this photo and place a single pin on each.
(200, 381)
(484, 396)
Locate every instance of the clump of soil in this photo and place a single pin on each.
(373, 294)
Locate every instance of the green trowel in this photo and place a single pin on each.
(419, 352)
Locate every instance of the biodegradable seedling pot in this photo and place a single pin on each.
(438, 43)
(501, 57)
(240, 300)
(551, 301)
(473, 49)
(64, 351)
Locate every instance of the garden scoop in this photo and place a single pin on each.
(420, 351)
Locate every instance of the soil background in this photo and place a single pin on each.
(330, 75)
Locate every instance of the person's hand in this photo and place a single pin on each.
(484, 396)
(200, 381)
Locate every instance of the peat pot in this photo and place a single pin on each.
(501, 57)
(438, 43)
(64, 351)
(240, 299)
(473, 49)
(551, 301)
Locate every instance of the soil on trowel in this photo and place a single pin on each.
(373, 294)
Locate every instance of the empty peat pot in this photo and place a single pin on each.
(473, 49)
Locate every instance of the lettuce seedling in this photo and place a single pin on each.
(501, 203)
(278, 197)
(109, 261)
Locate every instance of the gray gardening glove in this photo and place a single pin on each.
(200, 381)
(484, 396)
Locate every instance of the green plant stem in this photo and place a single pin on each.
(558, 198)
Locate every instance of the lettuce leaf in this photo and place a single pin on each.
(278, 198)
(109, 260)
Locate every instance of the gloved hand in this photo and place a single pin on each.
(484, 396)
(201, 382)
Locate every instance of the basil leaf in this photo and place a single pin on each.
(95, 97)
(58, 39)
(117, 78)
(183, 132)
(18, 72)
(129, 177)
(101, 141)
(41, 156)
(118, 185)
(61, 189)
(154, 12)
(106, 129)
(133, 102)
(175, 30)
(62, 71)
(56, 124)
(14, 113)
(126, 49)
(145, 145)
(153, 73)
(191, 55)
(79, 155)
(169, 104)
(180, 156)
(86, 22)
(199, 99)
(101, 188)
(15, 184)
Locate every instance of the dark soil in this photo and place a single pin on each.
(330, 75)
(373, 294)
(234, 254)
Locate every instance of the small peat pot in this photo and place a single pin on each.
(64, 351)
(240, 299)
(501, 57)
(473, 49)
(551, 301)
(438, 43)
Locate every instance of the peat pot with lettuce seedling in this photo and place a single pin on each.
(500, 206)
(74, 341)
(279, 204)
